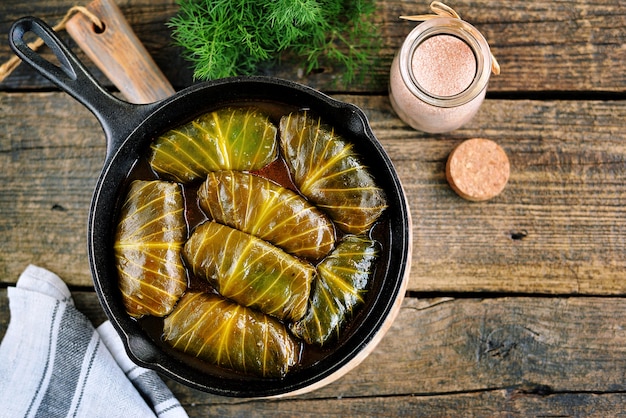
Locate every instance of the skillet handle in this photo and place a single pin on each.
(117, 117)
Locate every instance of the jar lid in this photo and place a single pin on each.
(478, 169)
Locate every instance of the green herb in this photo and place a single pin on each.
(223, 38)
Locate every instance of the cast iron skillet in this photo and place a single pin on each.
(129, 128)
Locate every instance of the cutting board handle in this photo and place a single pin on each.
(119, 54)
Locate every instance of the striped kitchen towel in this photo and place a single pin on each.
(53, 363)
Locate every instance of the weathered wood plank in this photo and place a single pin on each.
(51, 152)
(556, 229)
(572, 45)
(557, 226)
(493, 404)
(528, 356)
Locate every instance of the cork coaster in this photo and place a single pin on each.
(478, 169)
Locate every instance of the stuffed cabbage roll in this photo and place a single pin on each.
(264, 209)
(229, 335)
(148, 245)
(250, 271)
(328, 172)
(228, 138)
(338, 290)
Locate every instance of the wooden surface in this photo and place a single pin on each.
(112, 44)
(515, 305)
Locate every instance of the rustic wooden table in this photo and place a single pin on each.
(515, 306)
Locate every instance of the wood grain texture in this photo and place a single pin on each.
(491, 357)
(555, 229)
(118, 53)
(566, 46)
(494, 404)
(525, 307)
(51, 152)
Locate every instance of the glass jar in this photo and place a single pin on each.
(438, 79)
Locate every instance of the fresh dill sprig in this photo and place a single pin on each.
(223, 38)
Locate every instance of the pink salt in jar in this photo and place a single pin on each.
(438, 79)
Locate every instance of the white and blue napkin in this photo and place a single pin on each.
(53, 363)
